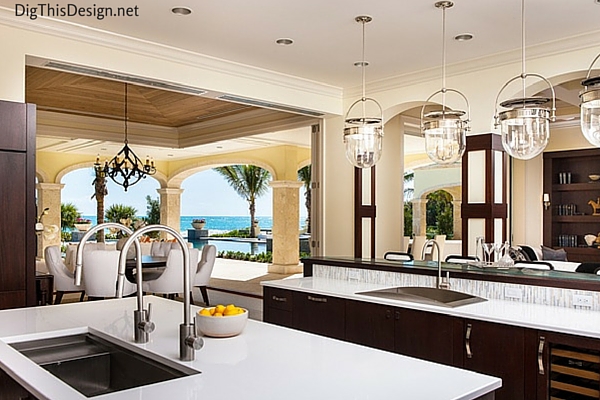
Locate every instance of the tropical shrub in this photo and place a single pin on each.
(68, 216)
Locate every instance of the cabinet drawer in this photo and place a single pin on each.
(278, 298)
(323, 315)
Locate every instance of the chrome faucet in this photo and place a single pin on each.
(441, 283)
(143, 325)
(188, 341)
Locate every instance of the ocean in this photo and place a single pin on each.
(221, 224)
(215, 223)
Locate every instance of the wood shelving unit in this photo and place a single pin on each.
(577, 194)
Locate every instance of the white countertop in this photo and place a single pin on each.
(556, 319)
(265, 361)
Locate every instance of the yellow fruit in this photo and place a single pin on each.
(239, 310)
(217, 314)
(230, 307)
(219, 309)
(212, 311)
(205, 311)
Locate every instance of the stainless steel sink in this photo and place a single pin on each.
(94, 366)
(427, 295)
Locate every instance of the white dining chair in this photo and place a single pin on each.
(100, 271)
(417, 247)
(63, 278)
(170, 282)
(204, 270)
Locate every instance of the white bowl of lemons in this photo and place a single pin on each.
(221, 321)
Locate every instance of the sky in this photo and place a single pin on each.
(205, 193)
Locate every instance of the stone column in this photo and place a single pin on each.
(457, 223)
(170, 208)
(48, 196)
(286, 231)
(419, 217)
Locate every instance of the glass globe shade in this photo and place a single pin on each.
(364, 144)
(445, 139)
(525, 131)
(590, 116)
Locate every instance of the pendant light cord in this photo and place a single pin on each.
(126, 141)
(443, 60)
(363, 70)
(523, 74)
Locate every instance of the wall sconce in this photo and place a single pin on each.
(546, 201)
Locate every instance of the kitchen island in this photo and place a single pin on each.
(265, 361)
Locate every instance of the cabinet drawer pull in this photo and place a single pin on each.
(388, 314)
(468, 341)
(397, 315)
(280, 299)
(317, 299)
(541, 355)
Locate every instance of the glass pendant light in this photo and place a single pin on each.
(444, 129)
(525, 125)
(590, 107)
(363, 136)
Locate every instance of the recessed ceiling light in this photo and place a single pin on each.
(464, 37)
(181, 10)
(361, 64)
(284, 41)
(219, 147)
(169, 155)
(103, 149)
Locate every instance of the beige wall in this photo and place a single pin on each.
(479, 80)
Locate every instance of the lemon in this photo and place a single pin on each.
(217, 314)
(212, 311)
(205, 311)
(220, 308)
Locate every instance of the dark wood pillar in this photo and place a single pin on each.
(362, 211)
(484, 203)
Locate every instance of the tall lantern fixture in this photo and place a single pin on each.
(590, 107)
(445, 129)
(363, 136)
(126, 168)
(525, 126)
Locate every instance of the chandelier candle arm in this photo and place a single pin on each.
(126, 168)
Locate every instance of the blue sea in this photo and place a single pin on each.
(215, 223)
(220, 224)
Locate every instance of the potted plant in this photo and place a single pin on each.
(199, 223)
(83, 224)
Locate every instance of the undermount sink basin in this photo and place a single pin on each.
(427, 295)
(94, 366)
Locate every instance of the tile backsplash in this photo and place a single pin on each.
(489, 290)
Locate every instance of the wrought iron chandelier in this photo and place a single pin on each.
(126, 168)
(363, 136)
(525, 126)
(445, 129)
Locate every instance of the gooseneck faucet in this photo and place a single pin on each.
(143, 325)
(441, 283)
(188, 341)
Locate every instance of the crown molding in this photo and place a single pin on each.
(569, 44)
(72, 31)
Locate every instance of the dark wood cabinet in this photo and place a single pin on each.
(17, 205)
(370, 324)
(315, 313)
(428, 336)
(497, 350)
(11, 390)
(277, 306)
(569, 217)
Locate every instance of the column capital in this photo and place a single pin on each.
(50, 186)
(169, 191)
(286, 184)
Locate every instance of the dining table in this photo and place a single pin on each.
(153, 267)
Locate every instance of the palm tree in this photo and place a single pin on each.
(118, 212)
(304, 175)
(250, 182)
(100, 191)
(68, 215)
